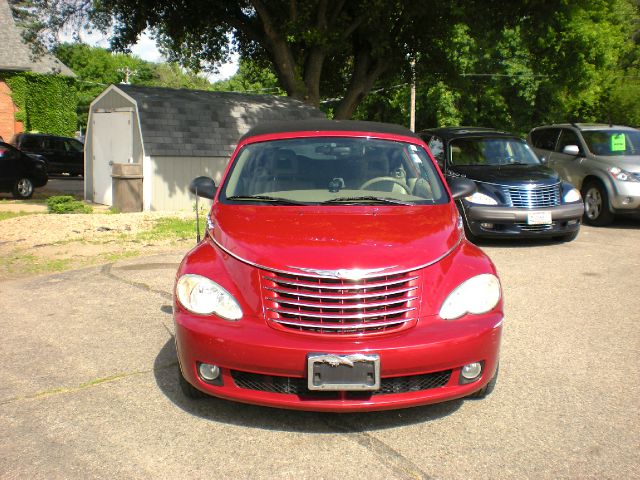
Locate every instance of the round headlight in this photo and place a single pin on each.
(481, 199)
(203, 296)
(572, 195)
(476, 295)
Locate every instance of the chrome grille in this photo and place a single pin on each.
(533, 196)
(525, 227)
(340, 307)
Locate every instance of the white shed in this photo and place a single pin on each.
(144, 144)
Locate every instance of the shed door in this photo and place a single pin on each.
(112, 141)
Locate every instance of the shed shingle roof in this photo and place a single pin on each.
(203, 123)
(15, 54)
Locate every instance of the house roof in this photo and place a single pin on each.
(16, 55)
(198, 123)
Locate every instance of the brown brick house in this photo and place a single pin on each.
(16, 56)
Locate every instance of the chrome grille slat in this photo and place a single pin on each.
(341, 326)
(338, 286)
(338, 296)
(536, 196)
(341, 316)
(319, 305)
(341, 306)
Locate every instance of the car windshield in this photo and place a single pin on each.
(612, 142)
(491, 152)
(333, 171)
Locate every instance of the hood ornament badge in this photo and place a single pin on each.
(344, 273)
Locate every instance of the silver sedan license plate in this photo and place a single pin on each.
(357, 371)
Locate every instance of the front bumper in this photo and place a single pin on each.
(626, 197)
(248, 347)
(489, 220)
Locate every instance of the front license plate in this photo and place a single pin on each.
(539, 218)
(358, 371)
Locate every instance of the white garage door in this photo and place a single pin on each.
(112, 142)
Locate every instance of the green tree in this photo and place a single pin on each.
(509, 64)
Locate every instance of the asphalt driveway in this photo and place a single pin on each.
(88, 384)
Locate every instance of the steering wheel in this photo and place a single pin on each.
(384, 179)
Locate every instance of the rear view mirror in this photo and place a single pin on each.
(461, 187)
(571, 150)
(203, 187)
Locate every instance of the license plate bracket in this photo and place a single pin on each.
(337, 372)
(539, 218)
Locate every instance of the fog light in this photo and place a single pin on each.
(471, 371)
(208, 372)
(488, 226)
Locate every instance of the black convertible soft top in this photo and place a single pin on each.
(321, 125)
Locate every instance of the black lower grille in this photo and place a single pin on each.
(298, 386)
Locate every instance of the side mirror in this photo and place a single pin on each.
(203, 187)
(543, 160)
(461, 187)
(571, 150)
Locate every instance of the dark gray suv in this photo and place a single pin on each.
(603, 161)
(62, 154)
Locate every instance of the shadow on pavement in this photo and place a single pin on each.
(224, 411)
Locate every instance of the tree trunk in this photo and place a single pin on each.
(365, 72)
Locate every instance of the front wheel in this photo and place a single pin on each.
(596, 204)
(23, 188)
(189, 390)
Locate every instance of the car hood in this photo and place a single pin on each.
(630, 163)
(509, 174)
(290, 238)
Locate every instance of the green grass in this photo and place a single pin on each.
(31, 264)
(8, 215)
(172, 229)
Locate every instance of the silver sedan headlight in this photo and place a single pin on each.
(476, 295)
(203, 296)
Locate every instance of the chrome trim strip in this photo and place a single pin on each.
(357, 316)
(328, 296)
(326, 326)
(344, 306)
(338, 286)
(263, 267)
(527, 187)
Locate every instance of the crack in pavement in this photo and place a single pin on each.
(106, 270)
(83, 386)
(386, 454)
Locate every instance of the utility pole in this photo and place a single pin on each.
(127, 74)
(412, 121)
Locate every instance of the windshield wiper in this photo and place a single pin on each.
(264, 198)
(366, 199)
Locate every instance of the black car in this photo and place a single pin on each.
(62, 154)
(517, 196)
(20, 173)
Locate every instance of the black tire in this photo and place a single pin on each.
(596, 204)
(189, 390)
(569, 237)
(487, 389)
(23, 188)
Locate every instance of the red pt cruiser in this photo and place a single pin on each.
(335, 276)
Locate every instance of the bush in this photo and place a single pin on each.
(66, 204)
